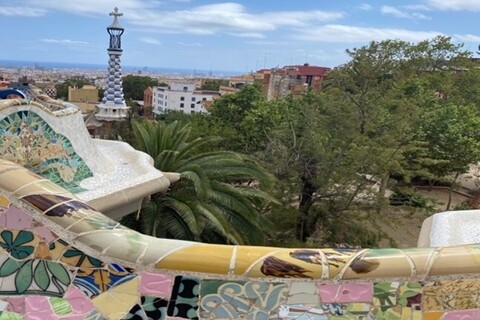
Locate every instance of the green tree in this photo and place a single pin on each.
(453, 141)
(214, 84)
(133, 86)
(218, 198)
(227, 114)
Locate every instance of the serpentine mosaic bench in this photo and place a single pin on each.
(50, 138)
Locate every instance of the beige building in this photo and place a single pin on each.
(86, 97)
(87, 93)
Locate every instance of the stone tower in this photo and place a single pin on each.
(113, 107)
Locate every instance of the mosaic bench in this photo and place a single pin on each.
(61, 259)
(50, 138)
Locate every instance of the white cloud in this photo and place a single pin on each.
(217, 18)
(21, 12)
(456, 5)
(270, 43)
(420, 16)
(150, 40)
(389, 10)
(64, 42)
(335, 33)
(88, 7)
(185, 44)
(365, 7)
(467, 38)
(416, 7)
(253, 35)
(394, 12)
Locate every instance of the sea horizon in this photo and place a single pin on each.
(5, 63)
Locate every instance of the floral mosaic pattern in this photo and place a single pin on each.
(61, 259)
(27, 139)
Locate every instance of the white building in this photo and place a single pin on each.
(181, 97)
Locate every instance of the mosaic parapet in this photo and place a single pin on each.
(43, 102)
(106, 239)
(61, 259)
(109, 175)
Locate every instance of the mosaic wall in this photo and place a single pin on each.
(27, 139)
(61, 259)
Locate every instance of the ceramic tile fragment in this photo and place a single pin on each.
(432, 315)
(117, 302)
(16, 219)
(242, 299)
(303, 293)
(37, 307)
(194, 258)
(462, 315)
(78, 301)
(95, 281)
(344, 293)
(156, 284)
(302, 312)
(184, 298)
(385, 294)
(16, 304)
(149, 308)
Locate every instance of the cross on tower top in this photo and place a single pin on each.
(115, 15)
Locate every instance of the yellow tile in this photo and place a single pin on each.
(117, 302)
(286, 264)
(199, 258)
(247, 256)
(436, 315)
(456, 260)
(420, 257)
(14, 179)
(4, 202)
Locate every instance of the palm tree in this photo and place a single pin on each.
(218, 197)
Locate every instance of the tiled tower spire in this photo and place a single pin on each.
(113, 105)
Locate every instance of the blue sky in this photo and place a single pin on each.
(234, 36)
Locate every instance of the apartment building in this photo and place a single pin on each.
(295, 79)
(180, 96)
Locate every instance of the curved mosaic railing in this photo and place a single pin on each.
(61, 259)
(50, 138)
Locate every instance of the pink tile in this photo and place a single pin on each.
(45, 233)
(41, 315)
(75, 317)
(15, 219)
(462, 315)
(16, 304)
(345, 293)
(328, 292)
(37, 304)
(79, 302)
(155, 284)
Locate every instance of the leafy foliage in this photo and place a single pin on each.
(214, 201)
(133, 86)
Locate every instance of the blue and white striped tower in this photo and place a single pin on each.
(113, 105)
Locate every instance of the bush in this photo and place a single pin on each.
(409, 198)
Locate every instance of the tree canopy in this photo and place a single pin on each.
(134, 86)
(396, 112)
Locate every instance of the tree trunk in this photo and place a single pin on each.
(450, 191)
(302, 231)
(381, 200)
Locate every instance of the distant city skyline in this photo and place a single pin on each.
(240, 36)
